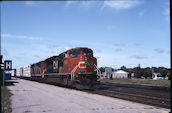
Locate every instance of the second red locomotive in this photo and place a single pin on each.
(76, 67)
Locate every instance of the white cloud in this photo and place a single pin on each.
(88, 43)
(116, 46)
(138, 56)
(87, 4)
(168, 52)
(118, 49)
(68, 3)
(83, 4)
(115, 4)
(117, 60)
(57, 48)
(98, 50)
(141, 13)
(20, 37)
(4, 52)
(159, 50)
(166, 12)
(111, 59)
(110, 27)
(36, 56)
(33, 53)
(138, 44)
(119, 44)
(121, 4)
(30, 3)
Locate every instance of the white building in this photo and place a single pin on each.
(120, 74)
(156, 76)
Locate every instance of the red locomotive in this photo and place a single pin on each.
(76, 67)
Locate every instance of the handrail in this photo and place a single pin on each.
(82, 62)
(73, 71)
(98, 71)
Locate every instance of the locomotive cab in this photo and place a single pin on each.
(83, 58)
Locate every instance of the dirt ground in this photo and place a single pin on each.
(34, 97)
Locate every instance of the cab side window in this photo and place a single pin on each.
(65, 55)
(60, 60)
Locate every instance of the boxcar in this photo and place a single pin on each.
(26, 72)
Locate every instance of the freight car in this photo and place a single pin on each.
(76, 67)
(18, 73)
(21, 72)
(26, 72)
(13, 72)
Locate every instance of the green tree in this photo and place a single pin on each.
(102, 69)
(123, 68)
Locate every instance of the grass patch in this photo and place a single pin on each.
(165, 83)
(7, 100)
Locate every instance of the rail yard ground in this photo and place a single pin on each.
(164, 83)
(34, 97)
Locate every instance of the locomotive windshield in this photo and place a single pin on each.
(87, 52)
(75, 53)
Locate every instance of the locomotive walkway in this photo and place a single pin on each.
(34, 97)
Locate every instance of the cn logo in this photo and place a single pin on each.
(55, 64)
(8, 65)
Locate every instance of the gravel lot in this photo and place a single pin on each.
(34, 97)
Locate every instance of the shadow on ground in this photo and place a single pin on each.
(10, 82)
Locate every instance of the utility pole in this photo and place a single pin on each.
(1, 73)
(1, 79)
(152, 72)
(98, 71)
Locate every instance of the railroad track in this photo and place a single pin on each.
(161, 102)
(145, 96)
(142, 95)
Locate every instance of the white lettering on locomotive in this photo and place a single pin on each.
(55, 64)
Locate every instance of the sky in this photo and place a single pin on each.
(120, 32)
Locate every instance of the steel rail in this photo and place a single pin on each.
(136, 95)
(164, 102)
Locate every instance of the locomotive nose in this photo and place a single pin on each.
(82, 64)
